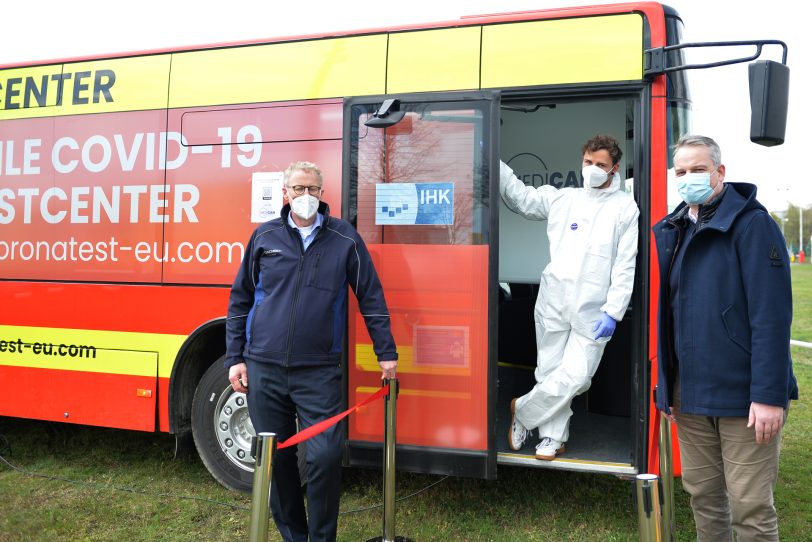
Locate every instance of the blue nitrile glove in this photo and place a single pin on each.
(605, 326)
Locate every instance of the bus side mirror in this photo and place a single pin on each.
(769, 98)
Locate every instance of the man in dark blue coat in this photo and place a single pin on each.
(284, 334)
(725, 372)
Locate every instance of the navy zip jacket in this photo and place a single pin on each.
(734, 309)
(288, 306)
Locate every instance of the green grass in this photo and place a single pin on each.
(131, 489)
(533, 505)
(802, 302)
(793, 495)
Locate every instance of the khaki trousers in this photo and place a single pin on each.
(729, 476)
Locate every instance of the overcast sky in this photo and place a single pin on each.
(53, 29)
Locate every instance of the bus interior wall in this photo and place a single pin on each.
(541, 142)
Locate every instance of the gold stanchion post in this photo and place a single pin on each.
(390, 422)
(261, 495)
(667, 480)
(648, 507)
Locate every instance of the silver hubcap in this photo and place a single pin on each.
(234, 429)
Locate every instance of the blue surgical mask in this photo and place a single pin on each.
(695, 188)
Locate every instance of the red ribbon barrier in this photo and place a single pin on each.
(323, 425)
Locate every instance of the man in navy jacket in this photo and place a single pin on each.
(284, 334)
(725, 371)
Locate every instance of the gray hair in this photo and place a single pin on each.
(307, 167)
(701, 141)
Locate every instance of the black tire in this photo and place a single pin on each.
(222, 429)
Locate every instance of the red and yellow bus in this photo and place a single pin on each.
(129, 186)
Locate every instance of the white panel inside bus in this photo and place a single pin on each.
(541, 142)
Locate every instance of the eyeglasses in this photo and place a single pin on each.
(300, 189)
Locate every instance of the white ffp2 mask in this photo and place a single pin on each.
(305, 206)
(594, 176)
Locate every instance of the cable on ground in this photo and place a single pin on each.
(5, 449)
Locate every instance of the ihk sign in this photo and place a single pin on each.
(414, 204)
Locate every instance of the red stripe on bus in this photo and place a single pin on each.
(111, 307)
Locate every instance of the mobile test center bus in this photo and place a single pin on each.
(129, 186)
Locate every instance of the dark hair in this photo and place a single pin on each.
(604, 142)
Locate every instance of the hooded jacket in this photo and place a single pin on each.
(734, 311)
(593, 248)
(288, 306)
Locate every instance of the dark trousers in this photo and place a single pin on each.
(276, 396)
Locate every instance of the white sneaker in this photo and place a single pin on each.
(517, 433)
(548, 448)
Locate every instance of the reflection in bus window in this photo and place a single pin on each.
(429, 152)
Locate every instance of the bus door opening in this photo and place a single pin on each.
(541, 141)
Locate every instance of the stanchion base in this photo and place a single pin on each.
(397, 539)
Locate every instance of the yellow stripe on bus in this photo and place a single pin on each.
(433, 60)
(116, 352)
(367, 360)
(99, 86)
(534, 53)
(19, 98)
(563, 51)
(284, 71)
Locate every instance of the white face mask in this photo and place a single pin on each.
(305, 206)
(594, 176)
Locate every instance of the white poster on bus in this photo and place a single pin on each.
(266, 195)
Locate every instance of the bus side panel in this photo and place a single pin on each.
(277, 72)
(543, 52)
(89, 398)
(232, 153)
(127, 338)
(93, 205)
(141, 309)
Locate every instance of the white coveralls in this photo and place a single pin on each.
(593, 246)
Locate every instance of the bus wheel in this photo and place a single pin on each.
(222, 429)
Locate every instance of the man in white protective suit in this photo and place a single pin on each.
(584, 290)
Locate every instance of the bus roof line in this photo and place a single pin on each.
(463, 21)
